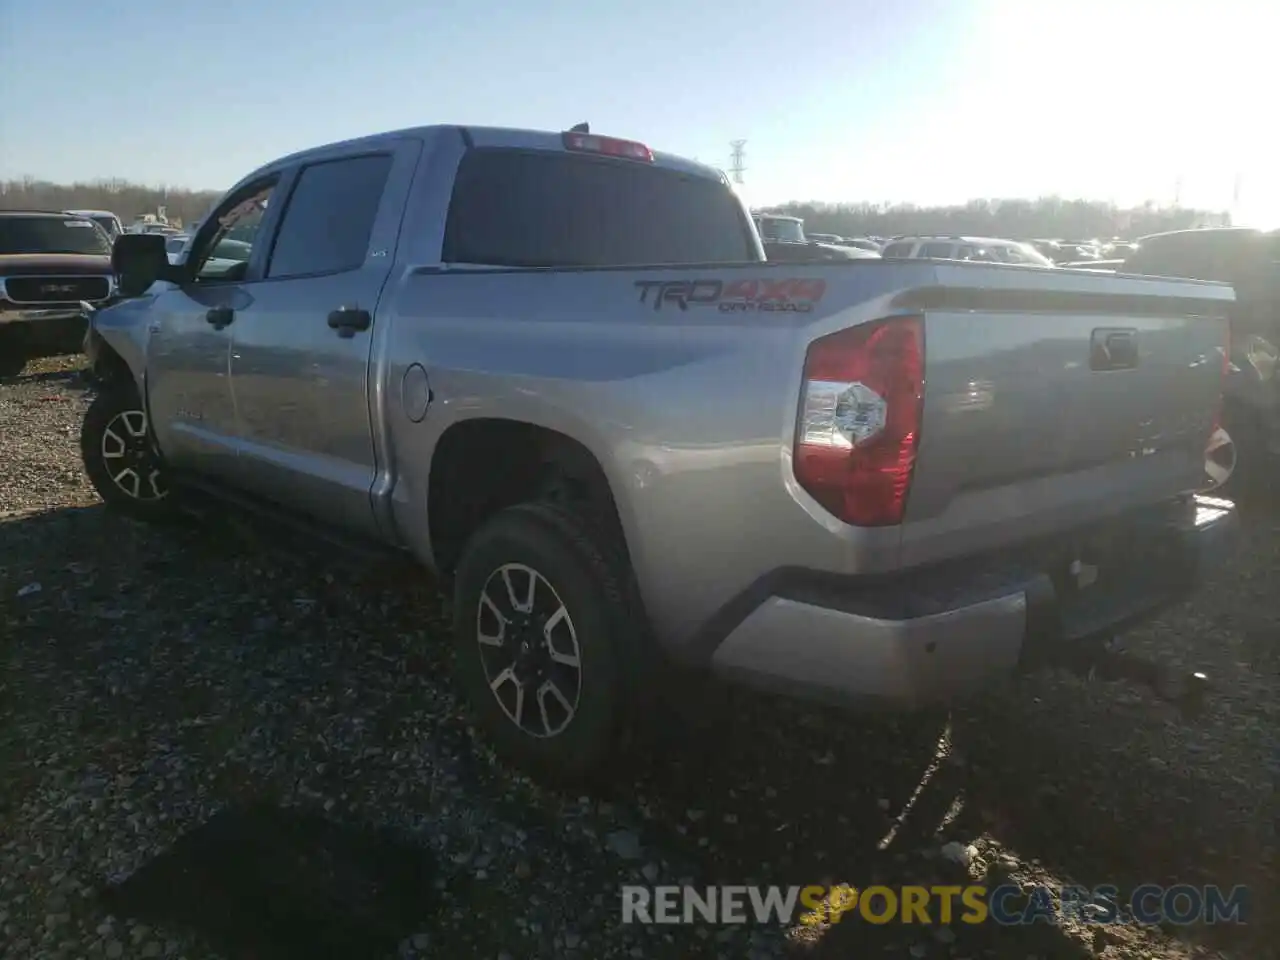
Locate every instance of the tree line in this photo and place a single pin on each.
(1045, 217)
(125, 199)
(1049, 217)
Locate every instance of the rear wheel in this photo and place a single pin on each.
(1220, 462)
(540, 627)
(120, 455)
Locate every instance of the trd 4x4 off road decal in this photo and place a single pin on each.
(773, 296)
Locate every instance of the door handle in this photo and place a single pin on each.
(219, 317)
(347, 320)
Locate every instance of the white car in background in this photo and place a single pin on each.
(175, 248)
(107, 220)
(227, 253)
(986, 249)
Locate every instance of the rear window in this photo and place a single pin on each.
(54, 234)
(514, 208)
(936, 251)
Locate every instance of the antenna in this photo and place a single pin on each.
(736, 159)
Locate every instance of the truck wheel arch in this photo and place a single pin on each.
(483, 465)
(109, 366)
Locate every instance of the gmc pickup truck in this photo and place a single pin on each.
(50, 262)
(554, 369)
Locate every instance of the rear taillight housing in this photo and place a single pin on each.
(859, 425)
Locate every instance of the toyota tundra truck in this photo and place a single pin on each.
(555, 371)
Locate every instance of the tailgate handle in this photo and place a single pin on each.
(1113, 348)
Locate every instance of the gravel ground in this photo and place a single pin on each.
(213, 744)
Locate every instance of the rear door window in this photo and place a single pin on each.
(514, 208)
(330, 214)
(936, 251)
(897, 250)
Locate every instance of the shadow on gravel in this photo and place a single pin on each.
(268, 883)
(765, 792)
(776, 799)
(73, 377)
(771, 793)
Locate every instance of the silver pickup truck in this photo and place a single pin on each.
(555, 370)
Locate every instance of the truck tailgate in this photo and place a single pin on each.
(1054, 398)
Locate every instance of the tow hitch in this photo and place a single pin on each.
(1186, 690)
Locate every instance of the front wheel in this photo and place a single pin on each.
(540, 624)
(121, 458)
(1220, 463)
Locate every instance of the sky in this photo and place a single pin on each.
(923, 101)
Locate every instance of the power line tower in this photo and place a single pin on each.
(736, 159)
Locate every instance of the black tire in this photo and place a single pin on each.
(13, 353)
(116, 421)
(581, 570)
(1251, 464)
(1222, 473)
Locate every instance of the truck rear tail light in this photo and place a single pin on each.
(608, 146)
(859, 423)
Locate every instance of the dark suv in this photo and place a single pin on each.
(50, 264)
(1250, 261)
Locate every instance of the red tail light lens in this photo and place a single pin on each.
(608, 146)
(859, 423)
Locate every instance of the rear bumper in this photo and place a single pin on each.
(934, 635)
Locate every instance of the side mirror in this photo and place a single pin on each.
(138, 260)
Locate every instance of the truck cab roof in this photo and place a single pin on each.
(508, 137)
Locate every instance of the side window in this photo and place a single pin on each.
(897, 250)
(936, 251)
(329, 217)
(224, 251)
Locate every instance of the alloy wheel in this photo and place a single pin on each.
(1219, 459)
(131, 459)
(529, 650)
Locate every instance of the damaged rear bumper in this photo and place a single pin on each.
(932, 635)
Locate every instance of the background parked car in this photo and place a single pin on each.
(107, 220)
(989, 249)
(50, 263)
(1246, 447)
(227, 253)
(784, 240)
(175, 247)
(862, 243)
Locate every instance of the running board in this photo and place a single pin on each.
(203, 499)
